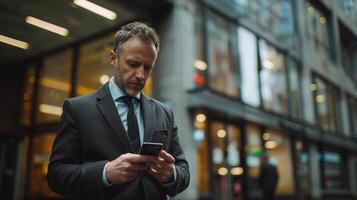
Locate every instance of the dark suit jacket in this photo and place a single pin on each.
(91, 133)
(268, 178)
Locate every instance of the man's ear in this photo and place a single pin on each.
(113, 58)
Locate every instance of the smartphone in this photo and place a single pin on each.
(151, 148)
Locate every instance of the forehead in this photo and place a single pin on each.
(138, 47)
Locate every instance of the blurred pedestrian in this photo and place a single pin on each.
(268, 178)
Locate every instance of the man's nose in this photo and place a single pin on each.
(140, 72)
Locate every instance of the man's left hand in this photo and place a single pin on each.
(162, 167)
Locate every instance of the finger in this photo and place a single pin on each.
(167, 157)
(135, 158)
(137, 167)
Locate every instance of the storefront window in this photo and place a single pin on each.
(273, 79)
(41, 148)
(333, 172)
(278, 146)
(254, 149)
(28, 96)
(54, 86)
(248, 66)
(223, 74)
(302, 168)
(227, 169)
(295, 94)
(308, 87)
(201, 138)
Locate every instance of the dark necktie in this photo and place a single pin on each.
(133, 129)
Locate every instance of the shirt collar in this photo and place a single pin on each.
(117, 92)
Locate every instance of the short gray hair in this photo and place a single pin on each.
(135, 29)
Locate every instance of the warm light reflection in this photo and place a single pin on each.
(199, 64)
(97, 9)
(47, 26)
(320, 98)
(268, 64)
(104, 79)
(313, 86)
(322, 20)
(50, 109)
(271, 145)
(14, 42)
(221, 133)
(201, 117)
(237, 171)
(222, 171)
(266, 136)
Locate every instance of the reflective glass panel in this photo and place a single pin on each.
(273, 79)
(54, 86)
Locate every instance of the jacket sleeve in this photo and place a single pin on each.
(181, 164)
(67, 174)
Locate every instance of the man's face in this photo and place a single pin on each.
(133, 65)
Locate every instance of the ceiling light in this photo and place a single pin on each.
(14, 42)
(104, 79)
(268, 64)
(96, 9)
(50, 109)
(271, 145)
(222, 171)
(320, 98)
(47, 26)
(237, 171)
(221, 133)
(199, 64)
(201, 117)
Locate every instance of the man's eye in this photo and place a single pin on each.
(134, 65)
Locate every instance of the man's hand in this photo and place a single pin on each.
(162, 167)
(126, 167)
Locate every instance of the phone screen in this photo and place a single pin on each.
(151, 148)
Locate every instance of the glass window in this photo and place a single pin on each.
(223, 74)
(253, 150)
(321, 96)
(54, 86)
(333, 172)
(200, 136)
(227, 169)
(318, 30)
(28, 96)
(200, 64)
(352, 104)
(275, 16)
(249, 67)
(278, 147)
(94, 67)
(273, 79)
(295, 94)
(326, 100)
(308, 87)
(41, 148)
(302, 168)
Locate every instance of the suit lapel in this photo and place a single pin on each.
(148, 111)
(107, 107)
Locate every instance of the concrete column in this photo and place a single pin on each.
(352, 173)
(173, 76)
(315, 183)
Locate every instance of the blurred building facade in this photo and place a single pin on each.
(243, 76)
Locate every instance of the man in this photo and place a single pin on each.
(268, 178)
(95, 153)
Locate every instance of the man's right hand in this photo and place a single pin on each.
(126, 167)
